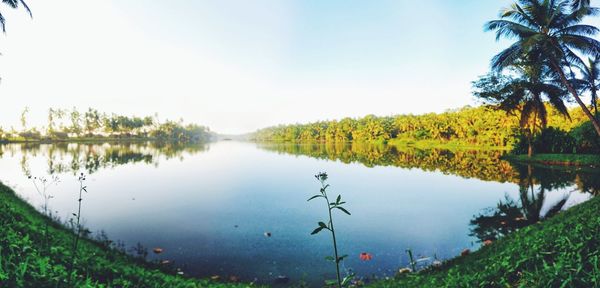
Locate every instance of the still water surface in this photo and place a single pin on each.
(209, 206)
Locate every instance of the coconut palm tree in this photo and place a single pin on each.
(590, 76)
(550, 31)
(525, 96)
(13, 4)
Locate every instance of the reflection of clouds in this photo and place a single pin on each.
(575, 198)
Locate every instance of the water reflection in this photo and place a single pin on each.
(72, 158)
(482, 164)
(535, 182)
(209, 208)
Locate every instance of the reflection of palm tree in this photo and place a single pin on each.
(509, 216)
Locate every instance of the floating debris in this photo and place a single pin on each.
(215, 277)
(157, 250)
(268, 234)
(465, 252)
(165, 262)
(234, 278)
(364, 256)
(487, 242)
(436, 263)
(282, 279)
(404, 270)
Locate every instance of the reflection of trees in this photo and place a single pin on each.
(76, 157)
(484, 165)
(509, 215)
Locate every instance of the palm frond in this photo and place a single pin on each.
(508, 29)
(581, 30)
(507, 57)
(583, 44)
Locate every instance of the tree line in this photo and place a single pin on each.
(477, 126)
(71, 124)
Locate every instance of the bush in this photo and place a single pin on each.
(31, 135)
(554, 140)
(581, 140)
(586, 139)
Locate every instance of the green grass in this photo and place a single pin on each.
(563, 251)
(25, 260)
(559, 159)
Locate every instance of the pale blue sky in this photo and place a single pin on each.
(237, 66)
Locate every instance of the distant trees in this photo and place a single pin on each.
(92, 124)
(480, 126)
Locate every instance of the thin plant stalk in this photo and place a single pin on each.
(42, 190)
(77, 233)
(335, 250)
(322, 178)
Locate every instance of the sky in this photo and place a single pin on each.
(237, 66)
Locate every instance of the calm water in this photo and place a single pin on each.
(208, 206)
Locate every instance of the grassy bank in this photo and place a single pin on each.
(563, 251)
(558, 159)
(26, 260)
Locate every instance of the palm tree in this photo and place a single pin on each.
(13, 4)
(551, 32)
(590, 74)
(526, 96)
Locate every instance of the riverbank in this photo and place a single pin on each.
(558, 159)
(26, 260)
(562, 251)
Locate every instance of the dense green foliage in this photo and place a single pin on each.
(479, 126)
(562, 251)
(25, 261)
(580, 140)
(72, 125)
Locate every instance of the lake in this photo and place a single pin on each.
(209, 206)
